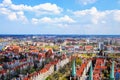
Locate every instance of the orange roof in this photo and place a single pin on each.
(42, 49)
(55, 62)
(34, 51)
(43, 70)
(98, 68)
(103, 67)
(32, 47)
(81, 69)
(14, 47)
(88, 47)
(47, 66)
(118, 70)
(26, 78)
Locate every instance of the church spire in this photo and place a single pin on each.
(112, 72)
(91, 72)
(73, 68)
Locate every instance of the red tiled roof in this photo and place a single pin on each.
(88, 47)
(26, 78)
(81, 69)
(43, 70)
(3, 71)
(97, 68)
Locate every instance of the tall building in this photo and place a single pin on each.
(88, 41)
(101, 46)
(1, 47)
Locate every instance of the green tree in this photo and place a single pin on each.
(49, 78)
(78, 61)
(64, 78)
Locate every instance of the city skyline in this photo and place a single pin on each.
(60, 17)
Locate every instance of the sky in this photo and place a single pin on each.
(83, 17)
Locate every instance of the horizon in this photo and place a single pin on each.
(66, 34)
(59, 35)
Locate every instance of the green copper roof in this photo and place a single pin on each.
(112, 72)
(91, 72)
(73, 68)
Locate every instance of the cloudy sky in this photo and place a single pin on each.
(60, 17)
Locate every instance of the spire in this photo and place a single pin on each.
(91, 72)
(73, 68)
(112, 72)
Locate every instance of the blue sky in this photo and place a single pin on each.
(60, 17)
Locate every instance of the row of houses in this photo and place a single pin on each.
(79, 48)
(48, 70)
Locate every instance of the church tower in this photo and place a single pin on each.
(73, 74)
(91, 72)
(112, 72)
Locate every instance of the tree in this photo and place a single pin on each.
(49, 78)
(64, 78)
(78, 61)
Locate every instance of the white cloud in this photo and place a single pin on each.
(47, 20)
(91, 11)
(117, 15)
(86, 2)
(7, 2)
(12, 16)
(4, 11)
(16, 12)
(20, 7)
(46, 8)
(35, 21)
(66, 18)
(82, 21)
(93, 15)
(90, 15)
(93, 21)
(21, 16)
